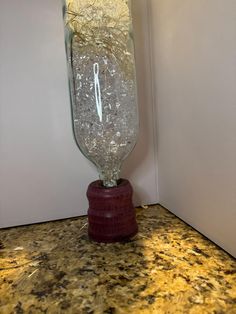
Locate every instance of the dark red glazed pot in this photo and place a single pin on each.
(111, 214)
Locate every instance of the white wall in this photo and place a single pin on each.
(43, 175)
(195, 66)
(141, 165)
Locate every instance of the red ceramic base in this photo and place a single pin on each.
(111, 214)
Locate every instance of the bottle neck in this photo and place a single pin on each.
(109, 176)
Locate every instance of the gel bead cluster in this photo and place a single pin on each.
(102, 82)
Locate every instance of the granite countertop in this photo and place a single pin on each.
(168, 268)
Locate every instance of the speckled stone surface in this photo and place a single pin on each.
(168, 268)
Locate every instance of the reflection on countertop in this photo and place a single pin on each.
(168, 268)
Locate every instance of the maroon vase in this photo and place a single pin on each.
(111, 214)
